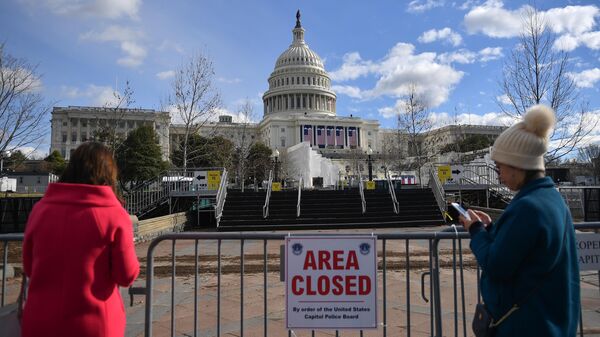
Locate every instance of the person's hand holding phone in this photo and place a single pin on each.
(475, 216)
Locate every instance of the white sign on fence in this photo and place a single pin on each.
(588, 251)
(331, 282)
(201, 180)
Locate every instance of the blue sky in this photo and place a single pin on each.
(453, 49)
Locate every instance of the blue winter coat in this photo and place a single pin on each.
(517, 253)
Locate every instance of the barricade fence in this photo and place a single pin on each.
(213, 284)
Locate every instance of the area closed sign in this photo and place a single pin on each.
(331, 282)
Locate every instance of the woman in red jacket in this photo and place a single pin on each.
(78, 249)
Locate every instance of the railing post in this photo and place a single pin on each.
(435, 280)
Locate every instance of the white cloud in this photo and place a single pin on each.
(493, 20)
(586, 78)
(167, 45)
(32, 152)
(460, 56)
(591, 40)
(128, 40)
(23, 78)
(388, 112)
(468, 4)
(96, 95)
(401, 68)
(229, 80)
(352, 68)
(490, 54)
(439, 119)
(164, 75)
(572, 24)
(572, 19)
(568, 42)
(113, 33)
(504, 99)
(466, 56)
(237, 117)
(348, 90)
(135, 54)
(397, 71)
(419, 6)
(111, 9)
(445, 34)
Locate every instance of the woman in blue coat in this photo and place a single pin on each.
(528, 256)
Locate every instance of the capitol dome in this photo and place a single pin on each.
(299, 82)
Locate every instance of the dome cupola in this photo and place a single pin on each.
(299, 82)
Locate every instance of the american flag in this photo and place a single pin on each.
(308, 135)
(320, 135)
(352, 137)
(408, 180)
(330, 136)
(339, 136)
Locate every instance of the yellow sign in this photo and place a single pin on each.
(370, 185)
(444, 173)
(214, 179)
(276, 187)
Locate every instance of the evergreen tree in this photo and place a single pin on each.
(139, 158)
(56, 162)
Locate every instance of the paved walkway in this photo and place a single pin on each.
(402, 311)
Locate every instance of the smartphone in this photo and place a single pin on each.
(461, 210)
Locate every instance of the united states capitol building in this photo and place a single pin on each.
(299, 119)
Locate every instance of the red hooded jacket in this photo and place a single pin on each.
(78, 249)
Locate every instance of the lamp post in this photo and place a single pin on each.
(370, 163)
(275, 161)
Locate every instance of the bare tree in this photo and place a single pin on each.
(243, 142)
(392, 150)
(536, 73)
(590, 155)
(114, 118)
(194, 98)
(413, 121)
(22, 107)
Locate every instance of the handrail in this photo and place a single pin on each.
(221, 196)
(299, 197)
(144, 197)
(438, 190)
(392, 191)
(361, 190)
(268, 197)
(504, 192)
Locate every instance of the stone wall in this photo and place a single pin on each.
(148, 229)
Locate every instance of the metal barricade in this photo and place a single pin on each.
(5, 240)
(434, 255)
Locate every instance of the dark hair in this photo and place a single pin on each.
(92, 163)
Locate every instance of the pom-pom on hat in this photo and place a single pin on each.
(524, 144)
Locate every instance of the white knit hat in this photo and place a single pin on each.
(524, 144)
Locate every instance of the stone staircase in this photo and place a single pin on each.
(326, 209)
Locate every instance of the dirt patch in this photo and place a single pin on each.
(14, 252)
